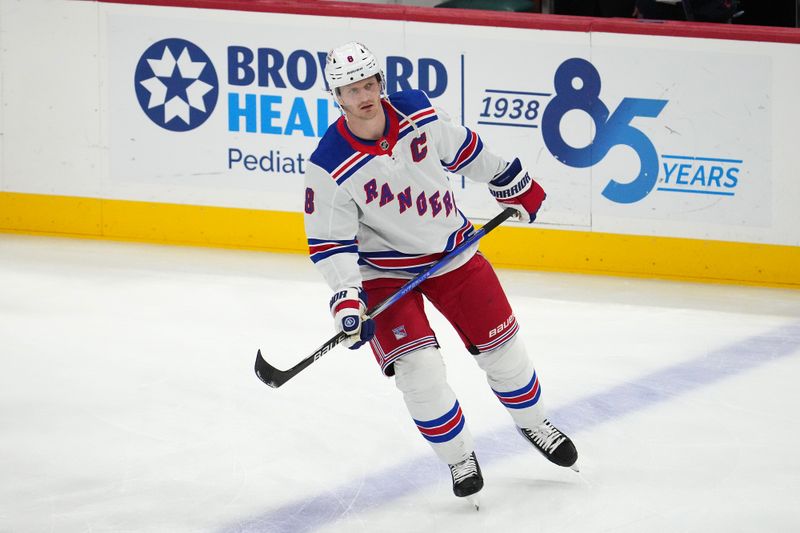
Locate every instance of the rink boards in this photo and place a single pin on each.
(666, 150)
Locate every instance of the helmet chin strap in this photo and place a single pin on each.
(406, 117)
(335, 96)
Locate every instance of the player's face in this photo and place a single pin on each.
(362, 99)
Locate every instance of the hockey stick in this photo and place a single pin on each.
(275, 378)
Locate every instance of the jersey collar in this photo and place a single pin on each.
(382, 146)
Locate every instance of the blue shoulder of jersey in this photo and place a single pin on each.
(332, 150)
(416, 106)
(335, 155)
(410, 101)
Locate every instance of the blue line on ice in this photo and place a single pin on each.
(651, 389)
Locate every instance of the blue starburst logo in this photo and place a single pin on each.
(176, 84)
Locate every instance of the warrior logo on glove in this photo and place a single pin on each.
(513, 187)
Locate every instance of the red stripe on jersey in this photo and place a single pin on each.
(399, 262)
(466, 153)
(316, 248)
(352, 160)
(417, 116)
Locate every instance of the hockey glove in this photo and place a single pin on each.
(513, 187)
(348, 307)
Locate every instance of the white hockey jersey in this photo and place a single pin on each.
(385, 208)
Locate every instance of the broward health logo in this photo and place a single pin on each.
(176, 84)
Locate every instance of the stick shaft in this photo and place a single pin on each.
(275, 377)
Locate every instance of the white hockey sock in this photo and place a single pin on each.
(513, 379)
(432, 404)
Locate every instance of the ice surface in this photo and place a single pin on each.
(128, 403)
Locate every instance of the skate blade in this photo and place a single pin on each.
(473, 499)
(575, 467)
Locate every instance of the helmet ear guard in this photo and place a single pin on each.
(350, 63)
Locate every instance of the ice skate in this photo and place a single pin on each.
(552, 443)
(467, 479)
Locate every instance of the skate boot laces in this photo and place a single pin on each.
(465, 469)
(546, 436)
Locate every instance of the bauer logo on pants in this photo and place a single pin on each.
(176, 84)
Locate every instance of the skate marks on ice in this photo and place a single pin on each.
(389, 485)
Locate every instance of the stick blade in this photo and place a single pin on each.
(267, 373)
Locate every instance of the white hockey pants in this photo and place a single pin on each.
(433, 406)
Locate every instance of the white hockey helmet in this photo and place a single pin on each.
(350, 63)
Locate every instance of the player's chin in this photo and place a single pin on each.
(367, 115)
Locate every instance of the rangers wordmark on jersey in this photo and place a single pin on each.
(385, 208)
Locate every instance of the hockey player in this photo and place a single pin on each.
(378, 210)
